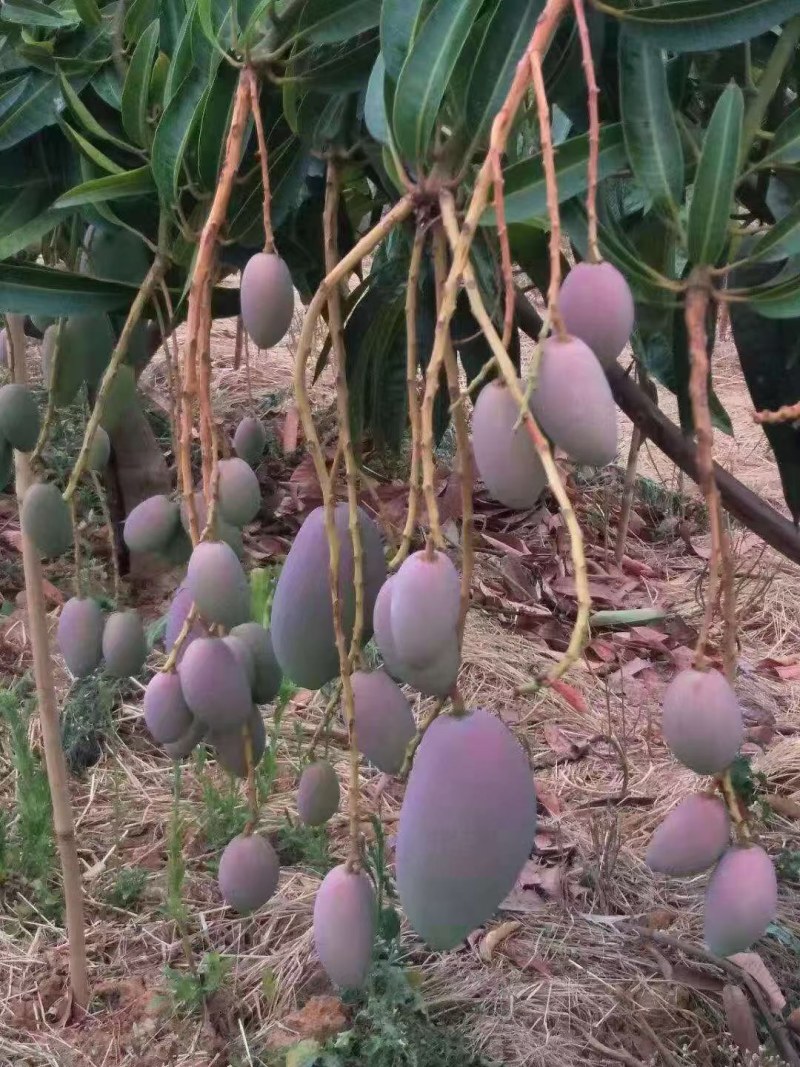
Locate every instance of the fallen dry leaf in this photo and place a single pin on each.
(291, 430)
(548, 800)
(785, 806)
(558, 741)
(521, 958)
(570, 694)
(496, 937)
(536, 885)
(660, 919)
(320, 1017)
(752, 964)
(740, 1018)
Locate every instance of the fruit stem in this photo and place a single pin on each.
(580, 627)
(252, 789)
(175, 651)
(462, 437)
(50, 410)
(152, 279)
(734, 806)
(506, 265)
(637, 439)
(346, 657)
(594, 129)
(330, 710)
(551, 185)
(414, 743)
(269, 236)
(412, 357)
(695, 310)
(171, 360)
(55, 763)
(112, 538)
(76, 547)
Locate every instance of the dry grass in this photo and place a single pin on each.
(577, 981)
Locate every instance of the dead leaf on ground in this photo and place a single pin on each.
(320, 1017)
(536, 886)
(785, 806)
(570, 694)
(793, 1020)
(660, 919)
(548, 800)
(291, 430)
(495, 937)
(525, 961)
(563, 746)
(740, 1018)
(752, 964)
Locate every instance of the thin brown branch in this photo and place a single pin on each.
(414, 416)
(55, 763)
(787, 413)
(269, 236)
(628, 490)
(594, 129)
(505, 250)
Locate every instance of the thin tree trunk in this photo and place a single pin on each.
(48, 715)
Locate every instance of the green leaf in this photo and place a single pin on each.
(173, 133)
(31, 13)
(629, 617)
(375, 117)
(780, 300)
(16, 240)
(525, 190)
(89, 12)
(33, 290)
(699, 25)
(785, 145)
(86, 118)
(212, 26)
(136, 90)
(328, 21)
(108, 86)
(715, 181)
(652, 139)
(213, 123)
(137, 182)
(506, 36)
(781, 240)
(769, 354)
(400, 20)
(426, 72)
(90, 151)
(38, 107)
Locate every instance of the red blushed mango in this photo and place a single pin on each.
(80, 635)
(384, 721)
(741, 900)
(248, 872)
(505, 455)
(344, 926)
(702, 721)
(691, 838)
(425, 604)
(317, 793)
(596, 305)
(267, 299)
(166, 713)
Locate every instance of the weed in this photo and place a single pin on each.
(788, 864)
(299, 845)
(28, 846)
(189, 991)
(129, 884)
(87, 719)
(176, 865)
(224, 810)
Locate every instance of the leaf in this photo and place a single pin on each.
(173, 133)
(739, 1015)
(631, 617)
(426, 72)
(86, 118)
(715, 181)
(30, 13)
(399, 23)
(375, 116)
(136, 90)
(38, 107)
(130, 183)
(751, 963)
(108, 87)
(652, 139)
(699, 25)
(89, 12)
(90, 151)
(328, 21)
(780, 240)
(785, 145)
(32, 290)
(212, 124)
(506, 36)
(525, 192)
(769, 354)
(15, 241)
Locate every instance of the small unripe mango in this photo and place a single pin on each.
(248, 872)
(702, 721)
(384, 722)
(506, 458)
(99, 450)
(741, 900)
(267, 675)
(124, 643)
(249, 440)
(382, 625)
(596, 305)
(45, 518)
(317, 793)
(426, 598)
(166, 713)
(214, 684)
(239, 491)
(80, 635)
(19, 417)
(344, 926)
(691, 838)
(267, 299)
(230, 745)
(151, 524)
(218, 584)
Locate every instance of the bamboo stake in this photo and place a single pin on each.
(48, 714)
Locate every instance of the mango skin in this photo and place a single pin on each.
(702, 721)
(436, 679)
(124, 643)
(318, 793)
(596, 305)
(243, 656)
(187, 742)
(19, 417)
(218, 584)
(741, 900)
(80, 635)
(214, 685)
(248, 872)
(229, 745)
(506, 458)
(239, 491)
(176, 616)
(466, 828)
(45, 518)
(691, 838)
(267, 299)
(151, 524)
(166, 713)
(426, 598)
(249, 440)
(384, 720)
(572, 402)
(267, 672)
(344, 926)
(99, 450)
(382, 626)
(114, 253)
(302, 616)
(224, 530)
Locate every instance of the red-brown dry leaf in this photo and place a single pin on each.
(561, 744)
(549, 801)
(536, 885)
(320, 1018)
(13, 538)
(603, 650)
(660, 919)
(638, 567)
(786, 672)
(290, 434)
(785, 806)
(570, 694)
(522, 959)
(740, 1018)
(506, 543)
(752, 964)
(303, 485)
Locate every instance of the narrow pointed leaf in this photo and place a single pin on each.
(328, 21)
(89, 12)
(525, 189)
(86, 118)
(508, 31)
(426, 74)
(137, 182)
(173, 133)
(699, 25)
(36, 108)
(780, 240)
(785, 145)
(31, 290)
(715, 181)
(651, 132)
(14, 242)
(30, 13)
(90, 151)
(399, 23)
(136, 90)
